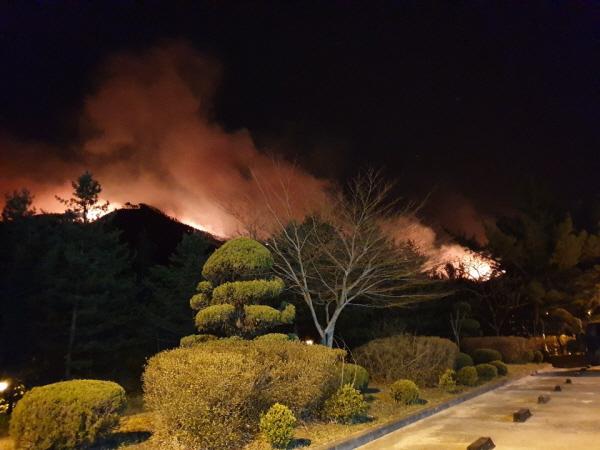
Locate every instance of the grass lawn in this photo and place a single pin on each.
(135, 430)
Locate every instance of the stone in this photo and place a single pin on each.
(483, 443)
(521, 415)
(543, 398)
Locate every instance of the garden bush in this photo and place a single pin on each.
(538, 356)
(485, 355)
(346, 405)
(462, 360)
(486, 372)
(353, 374)
(66, 415)
(277, 425)
(188, 341)
(447, 381)
(514, 349)
(405, 392)
(500, 367)
(418, 358)
(467, 376)
(274, 337)
(212, 395)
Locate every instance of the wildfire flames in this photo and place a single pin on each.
(148, 138)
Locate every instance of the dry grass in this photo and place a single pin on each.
(134, 432)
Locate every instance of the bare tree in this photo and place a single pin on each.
(499, 299)
(349, 250)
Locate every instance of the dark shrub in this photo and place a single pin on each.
(212, 395)
(405, 392)
(462, 360)
(67, 415)
(418, 358)
(347, 405)
(538, 356)
(500, 367)
(467, 376)
(529, 355)
(486, 372)
(485, 355)
(353, 374)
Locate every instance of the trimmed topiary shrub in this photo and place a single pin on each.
(486, 372)
(462, 360)
(448, 380)
(405, 392)
(347, 405)
(485, 355)
(212, 395)
(421, 359)
(355, 375)
(277, 425)
(538, 356)
(66, 415)
(467, 376)
(500, 367)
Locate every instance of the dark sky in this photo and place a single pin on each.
(469, 98)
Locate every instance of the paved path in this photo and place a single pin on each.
(570, 420)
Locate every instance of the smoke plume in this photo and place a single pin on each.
(147, 135)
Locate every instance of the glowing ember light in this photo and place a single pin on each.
(309, 342)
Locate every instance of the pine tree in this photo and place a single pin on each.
(84, 204)
(170, 287)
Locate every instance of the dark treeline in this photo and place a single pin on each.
(93, 299)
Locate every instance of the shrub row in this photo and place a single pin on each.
(418, 358)
(513, 349)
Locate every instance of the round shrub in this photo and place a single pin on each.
(462, 360)
(212, 395)
(347, 405)
(66, 415)
(485, 355)
(355, 375)
(467, 376)
(486, 372)
(448, 380)
(528, 355)
(538, 356)
(277, 425)
(405, 392)
(500, 367)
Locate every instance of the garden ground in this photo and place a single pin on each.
(571, 419)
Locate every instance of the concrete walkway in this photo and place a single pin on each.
(570, 420)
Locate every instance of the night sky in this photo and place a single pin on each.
(463, 101)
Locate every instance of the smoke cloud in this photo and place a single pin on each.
(147, 135)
